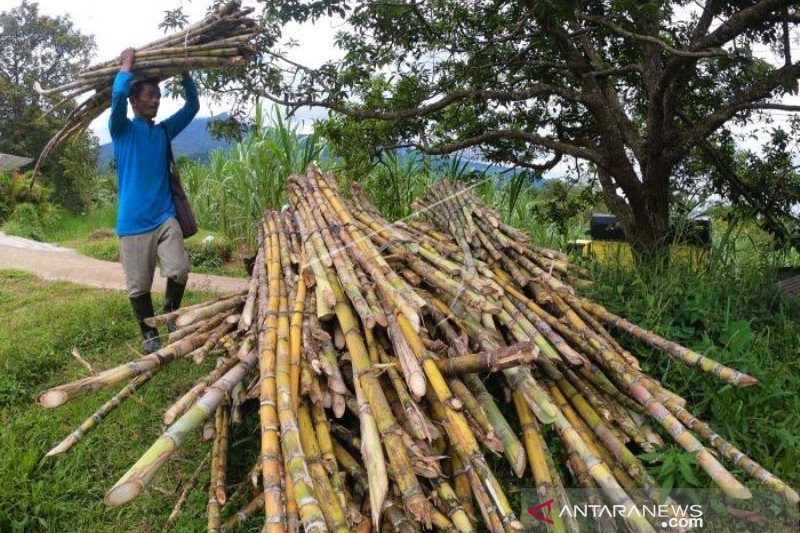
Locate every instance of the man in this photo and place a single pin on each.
(146, 222)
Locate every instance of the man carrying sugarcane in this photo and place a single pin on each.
(146, 224)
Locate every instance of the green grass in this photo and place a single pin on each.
(42, 322)
(733, 314)
(66, 226)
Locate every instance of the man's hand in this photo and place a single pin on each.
(126, 59)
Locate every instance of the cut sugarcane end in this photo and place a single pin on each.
(52, 398)
(123, 493)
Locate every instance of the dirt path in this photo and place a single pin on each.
(53, 262)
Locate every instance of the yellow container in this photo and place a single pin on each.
(620, 253)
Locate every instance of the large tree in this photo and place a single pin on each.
(51, 51)
(637, 89)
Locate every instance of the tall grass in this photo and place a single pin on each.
(231, 191)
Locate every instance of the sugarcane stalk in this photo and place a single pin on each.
(310, 508)
(412, 494)
(248, 311)
(329, 503)
(733, 454)
(295, 338)
(219, 457)
(163, 319)
(328, 457)
(537, 451)
(58, 395)
(185, 401)
(253, 507)
(691, 358)
(420, 427)
(477, 416)
(724, 479)
(268, 412)
(73, 438)
(138, 477)
(193, 315)
(507, 357)
(214, 519)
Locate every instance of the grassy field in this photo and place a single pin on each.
(42, 323)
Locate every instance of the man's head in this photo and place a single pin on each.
(145, 97)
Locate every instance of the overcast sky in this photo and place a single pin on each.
(118, 24)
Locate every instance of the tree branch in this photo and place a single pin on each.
(650, 39)
(771, 106)
(739, 22)
(539, 167)
(745, 99)
(536, 90)
(546, 142)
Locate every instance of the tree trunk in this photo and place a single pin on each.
(646, 222)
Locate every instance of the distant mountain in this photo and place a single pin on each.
(195, 142)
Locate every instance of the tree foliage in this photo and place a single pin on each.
(51, 51)
(636, 89)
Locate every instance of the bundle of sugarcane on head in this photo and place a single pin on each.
(371, 349)
(222, 39)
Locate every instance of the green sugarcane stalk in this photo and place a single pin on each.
(512, 447)
(691, 358)
(208, 311)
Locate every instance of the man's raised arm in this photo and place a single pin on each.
(118, 120)
(177, 122)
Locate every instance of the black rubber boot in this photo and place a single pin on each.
(172, 300)
(143, 308)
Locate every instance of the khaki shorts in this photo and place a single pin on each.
(138, 254)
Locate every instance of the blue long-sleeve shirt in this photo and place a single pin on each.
(140, 148)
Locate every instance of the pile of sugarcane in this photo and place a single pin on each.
(372, 350)
(222, 39)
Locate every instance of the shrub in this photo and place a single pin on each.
(26, 222)
(208, 251)
(105, 248)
